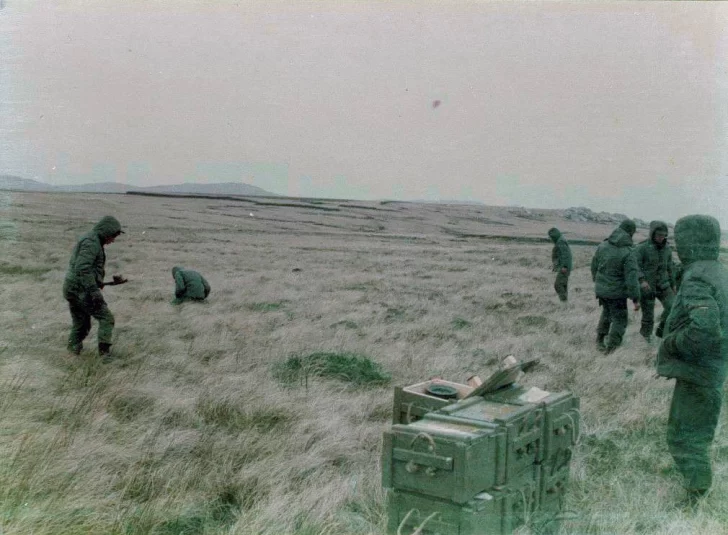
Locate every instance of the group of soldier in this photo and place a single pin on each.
(85, 280)
(693, 325)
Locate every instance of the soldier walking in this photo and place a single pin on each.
(83, 284)
(561, 263)
(657, 280)
(614, 272)
(694, 351)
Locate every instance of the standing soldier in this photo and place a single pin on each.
(561, 263)
(83, 284)
(657, 280)
(694, 351)
(614, 272)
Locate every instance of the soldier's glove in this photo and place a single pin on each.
(119, 279)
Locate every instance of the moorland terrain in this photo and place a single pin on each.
(209, 421)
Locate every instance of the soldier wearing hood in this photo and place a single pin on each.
(694, 351)
(656, 276)
(561, 263)
(614, 272)
(189, 285)
(83, 284)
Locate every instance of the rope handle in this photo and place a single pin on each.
(426, 437)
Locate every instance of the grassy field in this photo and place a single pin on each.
(221, 418)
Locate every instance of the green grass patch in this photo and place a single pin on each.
(460, 323)
(349, 367)
(127, 407)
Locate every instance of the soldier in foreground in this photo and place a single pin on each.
(654, 259)
(694, 351)
(189, 285)
(561, 263)
(83, 284)
(614, 272)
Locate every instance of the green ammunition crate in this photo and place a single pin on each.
(412, 402)
(444, 458)
(561, 414)
(496, 512)
(523, 424)
(552, 499)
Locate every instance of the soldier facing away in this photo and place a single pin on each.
(189, 285)
(561, 263)
(694, 351)
(614, 272)
(83, 284)
(657, 280)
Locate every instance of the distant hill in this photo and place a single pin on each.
(10, 182)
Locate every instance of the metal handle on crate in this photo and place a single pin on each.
(427, 437)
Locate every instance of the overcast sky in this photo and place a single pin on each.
(616, 106)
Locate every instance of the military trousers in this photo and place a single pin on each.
(647, 305)
(612, 322)
(561, 285)
(694, 413)
(81, 313)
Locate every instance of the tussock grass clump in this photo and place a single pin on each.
(126, 407)
(15, 270)
(350, 367)
(234, 417)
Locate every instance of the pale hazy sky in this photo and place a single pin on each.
(619, 106)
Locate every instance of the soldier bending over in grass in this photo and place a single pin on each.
(694, 351)
(189, 285)
(83, 284)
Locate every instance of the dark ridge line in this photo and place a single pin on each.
(520, 239)
(232, 198)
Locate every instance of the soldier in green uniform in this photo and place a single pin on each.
(694, 351)
(614, 272)
(657, 280)
(189, 285)
(83, 284)
(561, 263)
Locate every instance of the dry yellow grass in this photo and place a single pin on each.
(189, 432)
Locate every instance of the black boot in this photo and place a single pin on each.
(600, 342)
(105, 352)
(75, 349)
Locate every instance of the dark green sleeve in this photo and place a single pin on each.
(564, 255)
(670, 267)
(179, 285)
(640, 254)
(594, 265)
(631, 279)
(699, 333)
(85, 261)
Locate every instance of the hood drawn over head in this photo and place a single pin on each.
(108, 227)
(554, 234)
(620, 238)
(175, 270)
(697, 237)
(628, 226)
(657, 225)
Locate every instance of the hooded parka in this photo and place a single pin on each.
(189, 284)
(694, 350)
(560, 260)
(84, 281)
